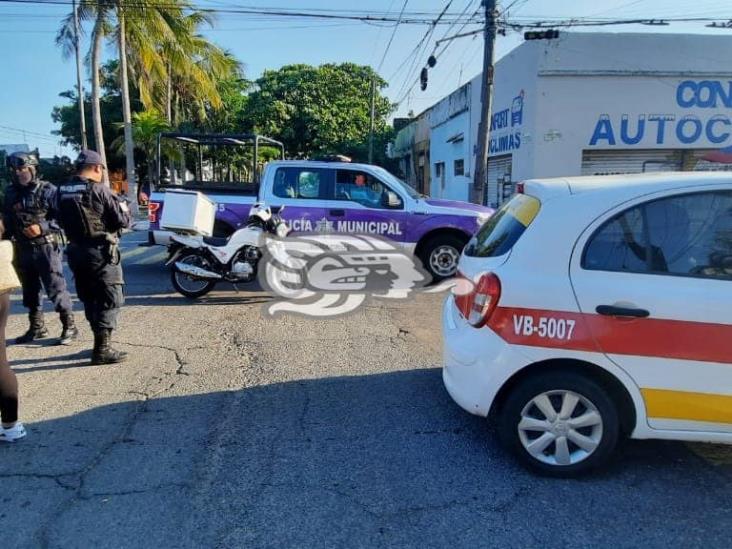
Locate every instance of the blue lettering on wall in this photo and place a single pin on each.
(715, 137)
(703, 94)
(706, 94)
(603, 130)
(660, 120)
(682, 129)
(627, 139)
(499, 120)
(504, 143)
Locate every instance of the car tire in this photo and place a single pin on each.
(569, 444)
(440, 255)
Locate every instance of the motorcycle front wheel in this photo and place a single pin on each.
(187, 285)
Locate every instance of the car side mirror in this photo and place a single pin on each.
(391, 199)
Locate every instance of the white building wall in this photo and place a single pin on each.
(450, 140)
(598, 93)
(624, 92)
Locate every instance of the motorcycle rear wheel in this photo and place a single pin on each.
(188, 286)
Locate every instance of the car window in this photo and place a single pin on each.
(306, 183)
(684, 235)
(619, 245)
(363, 188)
(504, 228)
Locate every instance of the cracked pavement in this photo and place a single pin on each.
(227, 428)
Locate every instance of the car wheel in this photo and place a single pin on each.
(441, 254)
(561, 424)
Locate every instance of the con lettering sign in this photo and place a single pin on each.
(714, 128)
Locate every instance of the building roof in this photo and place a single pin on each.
(13, 148)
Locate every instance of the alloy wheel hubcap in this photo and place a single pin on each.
(560, 428)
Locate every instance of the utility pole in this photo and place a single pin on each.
(481, 160)
(79, 87)
(371, 127)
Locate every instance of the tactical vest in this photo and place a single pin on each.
(28, 209)
(79, 219)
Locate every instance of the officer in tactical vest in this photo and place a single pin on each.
(29, 214)
(93, 219)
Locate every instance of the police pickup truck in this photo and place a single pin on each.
(337, 196)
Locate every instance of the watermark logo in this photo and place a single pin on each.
(332, 274)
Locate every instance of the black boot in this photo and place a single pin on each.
(103, 352)
(37, 328)
(70, 331)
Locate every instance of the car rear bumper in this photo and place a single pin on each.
(476, 362)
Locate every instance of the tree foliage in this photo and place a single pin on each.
(320, 110)
(67, 115)
(312, 110)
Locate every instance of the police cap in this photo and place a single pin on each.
(89, 158)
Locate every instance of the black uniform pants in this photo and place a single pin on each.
(39, 267)
(99, 284)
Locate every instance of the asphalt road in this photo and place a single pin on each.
(228, 428)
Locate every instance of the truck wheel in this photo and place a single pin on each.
(188, 286)
(441, 254)
(561, 424)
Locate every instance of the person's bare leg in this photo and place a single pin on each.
(8, 381)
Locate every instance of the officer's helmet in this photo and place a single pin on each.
(19, 160)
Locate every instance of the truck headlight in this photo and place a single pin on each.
(482, 218)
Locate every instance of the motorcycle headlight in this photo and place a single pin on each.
(281, 230)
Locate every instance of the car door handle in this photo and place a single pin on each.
(338, 213)
(612, 310)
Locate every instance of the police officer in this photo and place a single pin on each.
(29, 212)
(93, 219)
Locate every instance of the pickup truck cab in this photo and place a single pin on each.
(324, 196)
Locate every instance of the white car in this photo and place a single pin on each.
(596, 308)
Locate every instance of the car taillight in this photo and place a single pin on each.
(478, 304)
(152, 211)
(520, 187)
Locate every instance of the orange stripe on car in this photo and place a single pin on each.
(648, 337)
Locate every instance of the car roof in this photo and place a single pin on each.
(635, 184)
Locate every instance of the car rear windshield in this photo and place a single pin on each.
(501, 232)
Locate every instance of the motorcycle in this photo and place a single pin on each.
(199, 262)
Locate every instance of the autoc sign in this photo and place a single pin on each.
(716, 128)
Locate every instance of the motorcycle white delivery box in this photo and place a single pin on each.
(189, 212)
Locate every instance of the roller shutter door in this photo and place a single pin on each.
(604, 162)
(499, 170)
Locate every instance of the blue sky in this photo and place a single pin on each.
(34, 73)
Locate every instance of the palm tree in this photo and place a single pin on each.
(146, 126)
(66, 40)
(159, 47)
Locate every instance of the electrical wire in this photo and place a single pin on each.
(391, 39)
(406, 18)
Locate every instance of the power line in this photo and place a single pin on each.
(391, 39)
(419, 18)
(421, 49)
(424, 38)
(437, 55)
(7, 130)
